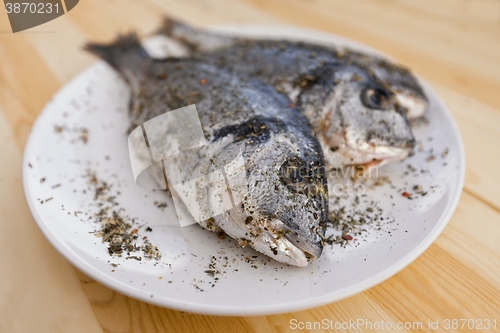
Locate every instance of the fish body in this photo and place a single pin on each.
(284, 212)
(282, 62)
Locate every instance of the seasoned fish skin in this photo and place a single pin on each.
(284, 213)
(282, 60)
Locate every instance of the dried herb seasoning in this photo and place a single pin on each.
(121, 232)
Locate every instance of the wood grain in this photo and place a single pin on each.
(453, 45)
(39, 291)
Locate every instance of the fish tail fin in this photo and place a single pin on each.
(125, 52)
(193, 38)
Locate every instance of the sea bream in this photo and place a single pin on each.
(357, 118)
(283, 63)
(285, 210)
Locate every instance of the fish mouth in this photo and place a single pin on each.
(268, 236)
(370, 164)
(414, 103)
(378, 156)
(366, 155)
(310, 250)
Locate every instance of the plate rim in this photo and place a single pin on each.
(135, 293)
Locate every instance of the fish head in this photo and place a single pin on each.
(287, 195)
(361, 121)
(284, 208)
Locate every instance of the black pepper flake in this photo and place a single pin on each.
(161, 205)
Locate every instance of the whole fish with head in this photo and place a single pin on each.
(284, 211)
(358, 119)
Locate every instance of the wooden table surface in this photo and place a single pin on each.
(454, 45)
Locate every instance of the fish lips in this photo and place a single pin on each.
(378, 152)
(380, 142)
(384, 155)
(312, 249)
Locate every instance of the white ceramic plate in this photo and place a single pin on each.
(247, 283)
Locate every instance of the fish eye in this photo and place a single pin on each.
(375, 98)
(294, 174)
